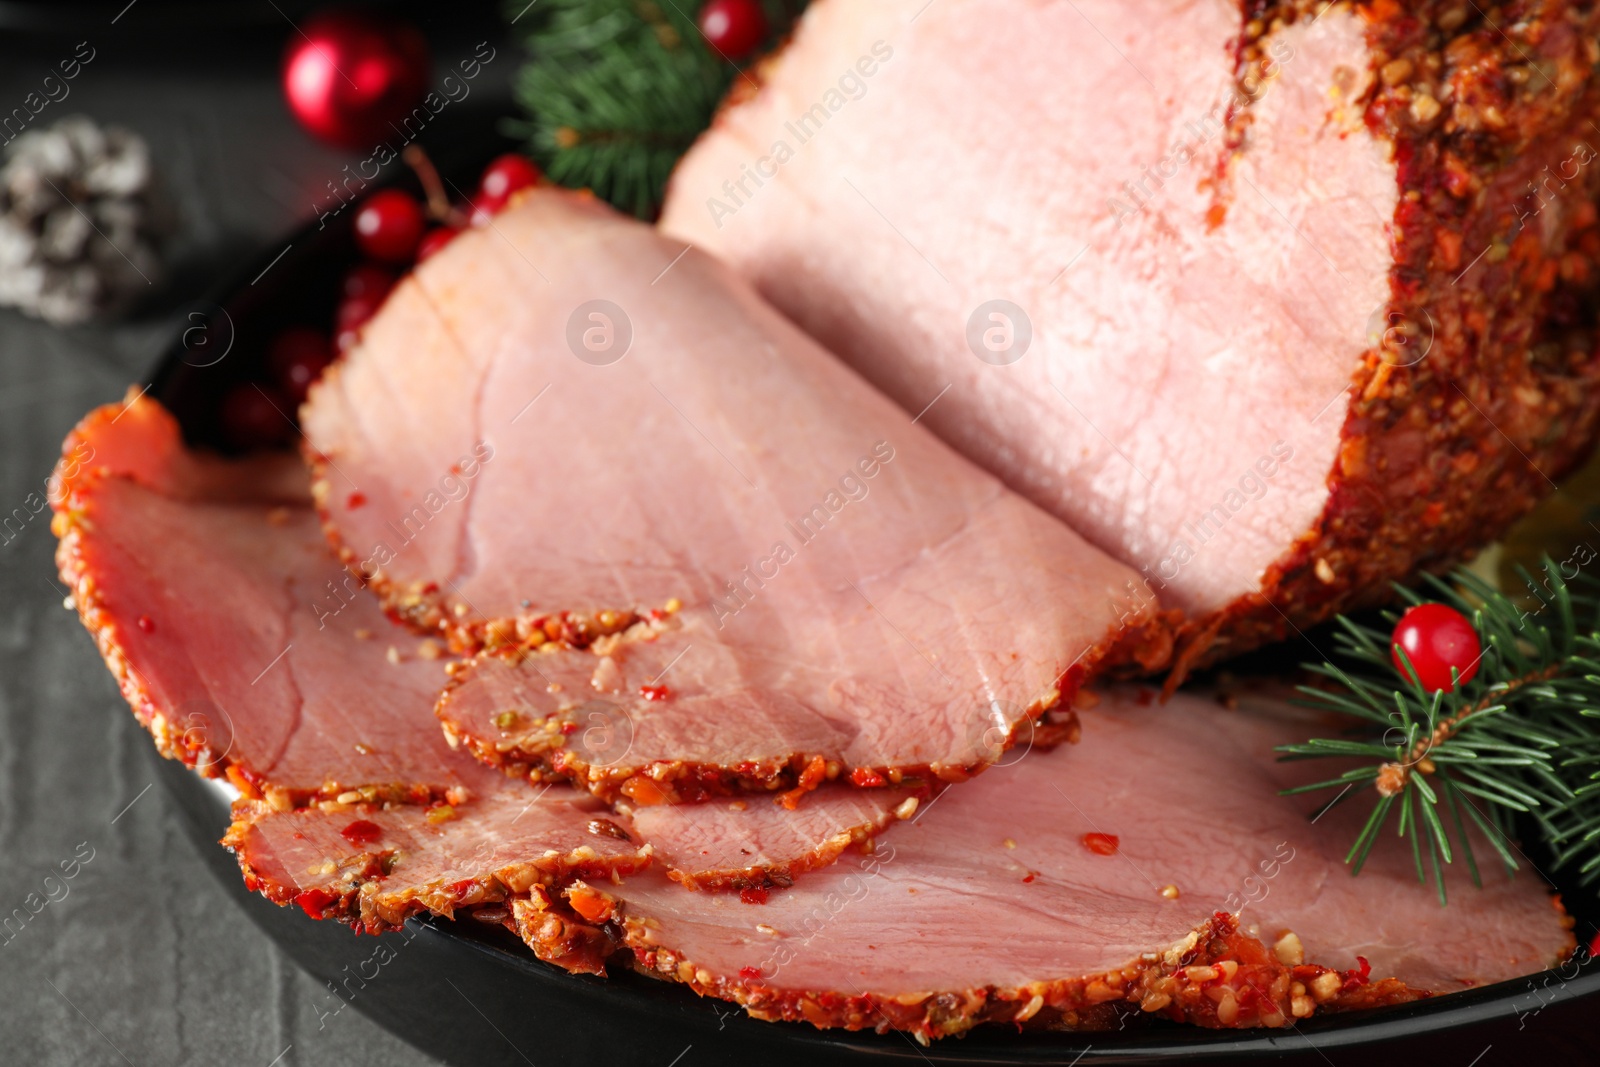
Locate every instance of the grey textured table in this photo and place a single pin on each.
(140, 958)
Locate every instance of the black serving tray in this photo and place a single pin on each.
(473, 995)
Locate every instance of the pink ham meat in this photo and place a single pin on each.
(565, 430)
(246, 650)
(1275, 302)
(1187, 889)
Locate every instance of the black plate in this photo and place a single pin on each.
(474, 995)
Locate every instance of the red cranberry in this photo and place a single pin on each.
(502, 178)
(1436, 637)
(434, 240)
(367, 279)
(356, 310)
(389, 225)
(734, 27)
(297, 358)
(256, 416)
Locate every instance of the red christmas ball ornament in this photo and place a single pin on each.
(389, 224)
(347, 75)
(297, 357)
(1436, 638)
(734, 27)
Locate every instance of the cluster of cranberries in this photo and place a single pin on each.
(394, 233)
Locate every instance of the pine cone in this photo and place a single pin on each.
(79, 221)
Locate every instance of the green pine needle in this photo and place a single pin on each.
(1521, 739)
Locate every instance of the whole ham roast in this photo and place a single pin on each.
(1275, 302)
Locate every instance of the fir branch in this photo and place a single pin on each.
(1520, 740)
(617, 90)
(1392, 778)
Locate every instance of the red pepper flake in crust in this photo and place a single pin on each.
(850, 588)
(1266, 932)
(813, 775)
(1101, 844)
(1316, 310)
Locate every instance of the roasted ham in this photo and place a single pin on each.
(1152, 869)
(666, 514)
(1275, 302)
(238, 641)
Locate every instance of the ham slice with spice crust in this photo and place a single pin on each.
(251, 654)
(599, 719)
(751, 844)
(1275, 302)
(565, 430)
(374, 867)
(240, 644)
(1188, 890)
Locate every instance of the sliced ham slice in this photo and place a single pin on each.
(773, 567)
(599, 719)
(1151, 869)
(753, 844)
(375, 868)
(247, 651)
(239, 642)
(1273, 306)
